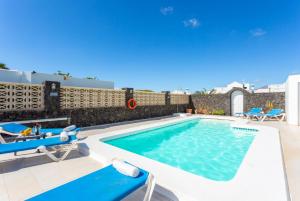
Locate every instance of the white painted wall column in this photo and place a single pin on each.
(298, 103)
(292, 100)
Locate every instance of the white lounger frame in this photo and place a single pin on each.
(43, 149)
(277, 117)
(150, 187)
(150, 183)
(67, 147)
(2, 140)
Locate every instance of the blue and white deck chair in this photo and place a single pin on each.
(253, 111)
(15, 129)
(42, 144)
(277, 114)
(106, 184)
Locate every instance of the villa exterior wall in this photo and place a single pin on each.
(95, 116)
(22, 77)
(83, 106)
(261, 99)
(212, 102)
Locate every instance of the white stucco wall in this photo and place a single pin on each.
(272, 88)
(292, 98)
(39, 78)
(298, 103)
(15, 76)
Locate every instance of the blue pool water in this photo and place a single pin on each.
(209, 148)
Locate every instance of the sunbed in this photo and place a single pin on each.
(106, 184)
(253, 111)
(277, 114)
(16, 130)
(55, 142)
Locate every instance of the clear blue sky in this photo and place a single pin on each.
(160, 45)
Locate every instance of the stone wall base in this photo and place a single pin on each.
(95, 116)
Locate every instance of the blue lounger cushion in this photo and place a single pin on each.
(254, 111)
(33, 144)
(17, 128)
(106, 184)
(54, 131)
(13, 127)
(273, 113)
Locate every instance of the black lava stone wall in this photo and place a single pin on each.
(212, 102)
(95, 116)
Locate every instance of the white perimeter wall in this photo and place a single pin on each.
(39, 78)
(15, 76)
(292, 99)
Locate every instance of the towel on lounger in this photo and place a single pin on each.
(70, 128)
(125, 168)
(64, 136)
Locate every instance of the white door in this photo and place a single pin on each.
(237, 102)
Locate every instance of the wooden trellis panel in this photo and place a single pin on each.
(177, 99)
(19, 96)
(149, 98)
(77, 97)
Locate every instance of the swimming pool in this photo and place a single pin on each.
(209, 148)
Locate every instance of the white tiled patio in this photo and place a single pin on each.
(29, 173)
(24, 176)
(290, 142)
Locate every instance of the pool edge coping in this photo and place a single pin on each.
(136, 159)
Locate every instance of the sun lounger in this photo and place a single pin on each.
(15, 130)
(106, 184)
(42, 145)
(277, 114)
(253, 111)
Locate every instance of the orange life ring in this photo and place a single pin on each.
(131, 104)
